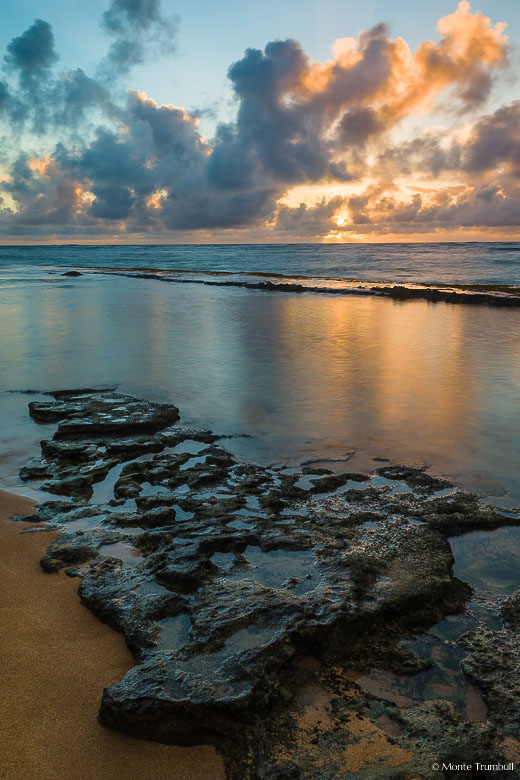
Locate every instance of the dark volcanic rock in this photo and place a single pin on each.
(435, 295)
(248, 616)
(493, 664)
(222, 574)
(335, 481)
(69, 485)
(67, 553)
(71, 451)
(179, 433)
(36, 468)
(490, 295)
(459, 513)
(417, 477)
(96, 431)
(103, 414)
(511, 611)
(80, 391)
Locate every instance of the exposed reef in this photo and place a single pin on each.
(255, 598)
(475, 294)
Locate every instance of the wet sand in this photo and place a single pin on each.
(55, 660)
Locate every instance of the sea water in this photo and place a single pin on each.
(475, 262)
(306, 375)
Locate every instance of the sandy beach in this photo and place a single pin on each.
(55, 660)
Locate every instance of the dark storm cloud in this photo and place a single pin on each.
(425, 154)
(41, 100)
(75, 94)
(70, 101)
(161, 157)
(67, 104)
(139, 28)
(359, 81)
(4, 96)
(283, 123)
(270, 139)
(32, 54)
(123, 15)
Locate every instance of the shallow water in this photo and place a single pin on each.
(175, 632)
(103, 491)
(443, 681)
(490, 562)
(276, 568)
(308, 376)
(128, 554)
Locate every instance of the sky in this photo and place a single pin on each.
(144, 121)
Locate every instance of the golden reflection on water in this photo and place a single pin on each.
(387, 361)
(411, 380)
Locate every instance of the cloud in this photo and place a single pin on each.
(491, 147)
(477, 205)
(357, 126)
(139, 28)
(4, 96)
(49, 194)
(300, 121)
(71, 102)
(32, 55)
(308, 221)
(139, 167)
(41, 100)
(495, 142)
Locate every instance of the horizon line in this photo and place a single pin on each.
(255, 243)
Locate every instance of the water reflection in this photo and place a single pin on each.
(309, 375)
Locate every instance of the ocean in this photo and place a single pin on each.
(471, 263)
(305, 375)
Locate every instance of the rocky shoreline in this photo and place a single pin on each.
(507, 296)
(255, 599)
